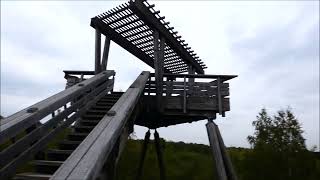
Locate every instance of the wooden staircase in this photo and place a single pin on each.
(45, 166)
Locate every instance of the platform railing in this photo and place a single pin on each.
(27, 132)
(192, 85)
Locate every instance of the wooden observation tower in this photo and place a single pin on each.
(96, 120)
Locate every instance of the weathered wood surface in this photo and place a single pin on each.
(216, 151)
(23, 119)
(97, 52)
(143, 155)
(132, 29)
(195, 103)
(78, 72)
(26, 147)
(227, 161)
(159, 156)
(87, 160)
(158, 67)
(106, 49)
(143, 12)
(206, 76)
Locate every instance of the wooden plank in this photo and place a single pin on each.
(87, 160)
(78, 72)
(223, 77)
(159, 155)
(226, 159)
(15, 149)
(23, 119)
(105, 56)
(219, 97)
(121, 41)
(195, 92)
(215, 148)
(143, 155)
(195, 103)
(97, 52)
(9, 170)
(143, 12)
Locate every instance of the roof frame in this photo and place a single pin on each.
(128, 24)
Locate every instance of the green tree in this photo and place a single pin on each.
(282, 133)
(279, 150)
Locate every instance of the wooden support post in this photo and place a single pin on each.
(104, 61)
(158, 66)
(160, 156)
(97, 66)
(143, 154)
(215, 147)
(227, 161)
(191, 70)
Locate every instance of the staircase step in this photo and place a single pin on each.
(58, 154)
(95, 111)
(101, 108)
(118, 94)
(107, 104)
(32, 176)
(109, 99)
(83, 129)
(69, 145)
(93, 116)
(77, 136)
(85, 122)
(46, 167)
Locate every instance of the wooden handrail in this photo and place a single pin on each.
(89, 157)
(23, 119)
(203, 76)
(82, 96)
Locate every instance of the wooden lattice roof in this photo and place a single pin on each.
(131, 25)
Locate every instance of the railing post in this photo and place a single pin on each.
(219, 95)
(97, 66)
(184, 95)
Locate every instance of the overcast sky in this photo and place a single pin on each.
(272, 46)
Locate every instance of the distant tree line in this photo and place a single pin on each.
(278, 153)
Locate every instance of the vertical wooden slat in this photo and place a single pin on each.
(184, 95)
(104, 61)
(97, 67)
(219, 95)
(215, 147)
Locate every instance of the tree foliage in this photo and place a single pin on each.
(282, 133)
(279, 150)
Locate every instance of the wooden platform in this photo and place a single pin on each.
(197, 108)
(184, 100)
